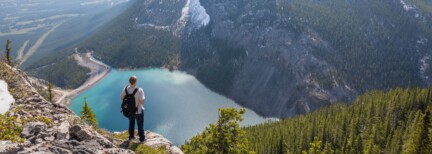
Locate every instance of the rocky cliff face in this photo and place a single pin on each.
(53, 128)
(283, 58)
(277, 72)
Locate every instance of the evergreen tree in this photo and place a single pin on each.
(8, 53)
(281, 148)
(425, 141)
(398, 121)
(50, 94)
(315, 147)
(224, 137)
(87, 114)
(328, 149)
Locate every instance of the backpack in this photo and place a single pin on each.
(128, 105)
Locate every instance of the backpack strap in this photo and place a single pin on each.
(135, 91)
(125, 89)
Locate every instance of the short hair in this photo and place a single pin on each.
(132, 80)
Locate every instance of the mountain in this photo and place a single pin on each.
(33, 125)
(279, 58)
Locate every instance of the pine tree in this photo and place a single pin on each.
(8, 53)
(315, 147)
(281, 148)
(412, 144)
(224, 137)
(87, 114)
(425, 142)
(377, 122)
(50, 94)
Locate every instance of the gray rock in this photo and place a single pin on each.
(33, 128)
(116, 151)
(33, 99)
(50, 138)
(62, 131)
(80, 133)
(9, 148)
(59, 150)
(39, 140)
(176, 150)
(104, 142)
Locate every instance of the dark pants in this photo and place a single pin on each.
(140, 121)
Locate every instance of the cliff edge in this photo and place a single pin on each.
(35, 125)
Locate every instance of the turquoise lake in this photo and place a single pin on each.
(177, 105)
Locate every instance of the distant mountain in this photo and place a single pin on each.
(277, 57)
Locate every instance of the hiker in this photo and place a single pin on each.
(137, 94)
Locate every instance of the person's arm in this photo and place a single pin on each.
(142, 98)
(122, 94)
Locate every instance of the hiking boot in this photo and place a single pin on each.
(142, 141)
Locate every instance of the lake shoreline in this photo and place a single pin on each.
(177, 106)
(98, 71)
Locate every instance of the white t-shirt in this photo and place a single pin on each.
(139, 96)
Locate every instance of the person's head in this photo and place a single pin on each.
(133, 80)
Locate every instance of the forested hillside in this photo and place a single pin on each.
(398, 121)
(125, 43)
(280, 58)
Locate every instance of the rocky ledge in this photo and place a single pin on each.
(52, 128)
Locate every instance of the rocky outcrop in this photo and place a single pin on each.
(157, 141)
(52, 128)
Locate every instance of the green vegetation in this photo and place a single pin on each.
(8, 53)
(9, 128)
(136, 147)
(50, 94)
(143, 149)
(424, 5)
(72, 77)
(87, 115)
(370, 38)
(224, 137)
(44, 119)
(398, 121)
(218, 72)
(121, 44)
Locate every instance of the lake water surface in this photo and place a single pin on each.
(177, 105)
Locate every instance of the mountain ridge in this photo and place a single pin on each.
(276, 57)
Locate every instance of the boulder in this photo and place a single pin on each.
(62, 131)
(176, 150)
(9, 148)
(104, 142)
(80, 133)
(151, 135)
(33, 128)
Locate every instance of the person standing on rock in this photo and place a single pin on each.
(138, 93)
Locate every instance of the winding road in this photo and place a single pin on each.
(98, 70)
